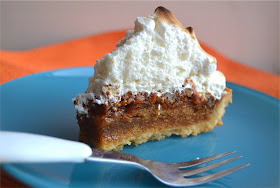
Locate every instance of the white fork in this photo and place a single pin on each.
(25, 147)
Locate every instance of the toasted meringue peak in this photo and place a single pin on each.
(164, 15)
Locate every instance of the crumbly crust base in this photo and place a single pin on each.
(136, 123)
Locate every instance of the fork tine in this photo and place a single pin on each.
(200, 161)
(209, 167)
(208, 178)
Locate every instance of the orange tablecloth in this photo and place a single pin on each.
(85, 51)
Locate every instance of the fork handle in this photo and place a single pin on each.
(26, 147)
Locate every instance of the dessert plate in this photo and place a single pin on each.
(42, 104)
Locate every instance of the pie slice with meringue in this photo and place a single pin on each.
(158, 82)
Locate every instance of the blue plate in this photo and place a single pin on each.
(42, 104)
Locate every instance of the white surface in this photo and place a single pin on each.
(244, 31)
(155, 57)
(26, 147)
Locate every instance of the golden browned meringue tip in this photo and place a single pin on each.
(165, 15)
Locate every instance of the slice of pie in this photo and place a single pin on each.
(158, 82)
